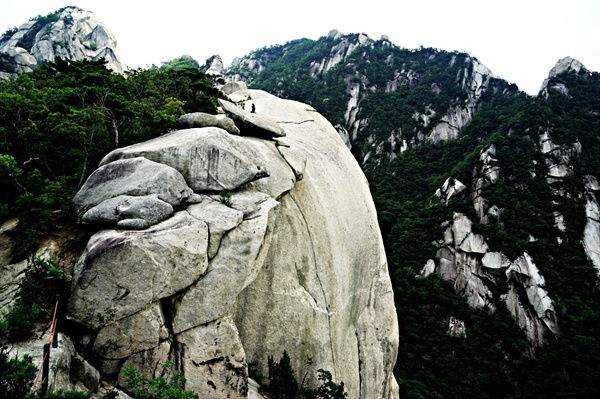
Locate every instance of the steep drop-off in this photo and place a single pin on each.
(262, 245)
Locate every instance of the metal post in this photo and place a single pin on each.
(45, 369)
(55, 338)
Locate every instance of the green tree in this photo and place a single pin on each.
(142, 387)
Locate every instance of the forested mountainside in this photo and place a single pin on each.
(486, 197)
(487, 201)
(57, 122)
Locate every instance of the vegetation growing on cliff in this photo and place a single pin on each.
(58, 122)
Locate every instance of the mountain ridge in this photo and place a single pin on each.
(476, 182)
(487, 202)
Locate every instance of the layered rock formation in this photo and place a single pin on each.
(70, 33)
(218, 250)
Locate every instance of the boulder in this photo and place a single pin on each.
(113, 210)
(201, 119)
(210, 159)
(134, 177)
(70, 371)
(250, 123)
(219, 218)
(122, 272)
(232, 87)
(495, 260)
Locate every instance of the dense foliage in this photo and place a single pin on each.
(184, 61)
(16, 376)
(494, 359)
(58, 122)
(284, 385)
(171, 387)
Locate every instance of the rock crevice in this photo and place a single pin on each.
(269, 245)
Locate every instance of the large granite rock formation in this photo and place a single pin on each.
(273, 245)
(70, 33)
(562, 65)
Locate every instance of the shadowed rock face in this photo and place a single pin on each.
(277, 248)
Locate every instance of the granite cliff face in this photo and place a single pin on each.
(216, 250)
(70, 33)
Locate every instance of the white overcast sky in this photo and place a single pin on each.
(519, 40)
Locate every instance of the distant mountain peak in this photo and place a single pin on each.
(566, 64)
(563, 65)
(70, 32)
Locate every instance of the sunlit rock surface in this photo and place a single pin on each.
(277, 248)
(72, 34)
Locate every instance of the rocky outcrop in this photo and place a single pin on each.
(562, 65)
(214, 66)
(70, 33)
(475, 80)
(464, 258)
(591, 232)
(273, 245)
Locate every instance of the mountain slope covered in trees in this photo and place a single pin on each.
(440, 140)
(57, 123)
(527, 170)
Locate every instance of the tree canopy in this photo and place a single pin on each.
(57, 123)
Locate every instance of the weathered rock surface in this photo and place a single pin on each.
(120, 274)
(591, 233)
(73, 34)
(11, 277)
(201, 119)
(251, 123)
(261, 262)
(122, 207)
(464, 258)
(209, 159)
(132, 177)
(231, 87)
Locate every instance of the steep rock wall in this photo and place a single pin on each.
(278, 248)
